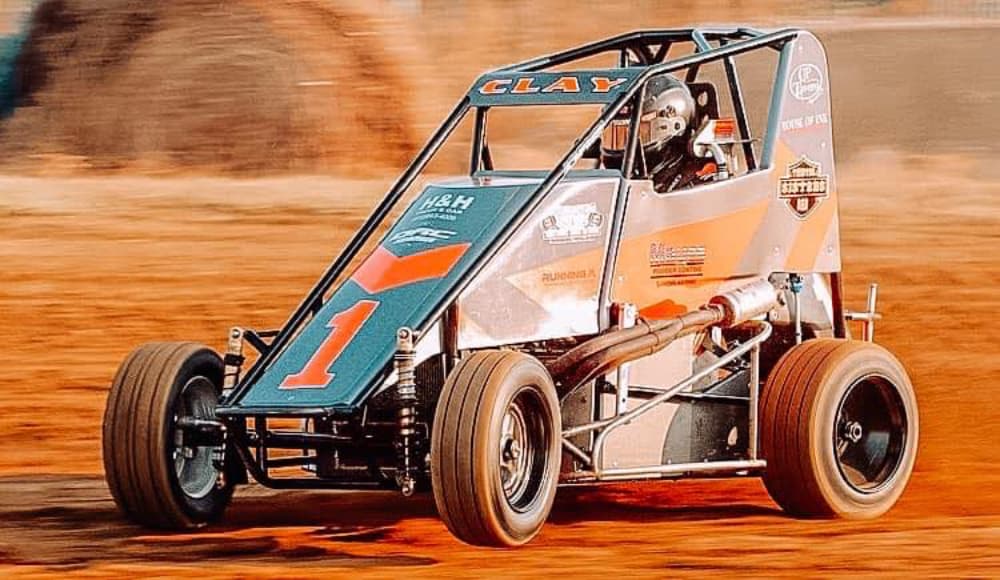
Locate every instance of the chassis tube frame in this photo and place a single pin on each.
(740, 110)
(606, 426)
(629, 40)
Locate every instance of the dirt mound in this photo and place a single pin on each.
(237, 86)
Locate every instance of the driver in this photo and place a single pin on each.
(668, 111)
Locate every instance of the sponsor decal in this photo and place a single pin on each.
(558, 278)
(806, 83)
(421, 236)
(571, 224)
(565, 84)
(805, 122)
(672, 265)
(444, 207)
(804, 187)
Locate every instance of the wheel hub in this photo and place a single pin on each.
(514, 450)
(195, 464)
(523, 449)
(871, 433)
(513, 442)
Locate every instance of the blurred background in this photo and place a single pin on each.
(169, 168)
(253, 87)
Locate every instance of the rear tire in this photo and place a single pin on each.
(495, 448)
(839, 429)
(155, 479)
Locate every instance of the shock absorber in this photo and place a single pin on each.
(407, 444)
(233, 359)
(795, 284)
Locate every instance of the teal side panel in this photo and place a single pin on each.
(439, 217)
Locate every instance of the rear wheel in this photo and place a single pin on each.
(158, 475)
(495, 448)
(839, 429)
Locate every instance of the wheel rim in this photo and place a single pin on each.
(870, 433)
(194, 464)
(524, 442)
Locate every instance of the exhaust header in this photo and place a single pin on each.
(618, 346)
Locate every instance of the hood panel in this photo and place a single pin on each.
(336, 359)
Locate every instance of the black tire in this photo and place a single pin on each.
(495, 448)
(140, 438)
(839, 429)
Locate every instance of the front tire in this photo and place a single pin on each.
(158, 479)
(495, 448)
(839, 429)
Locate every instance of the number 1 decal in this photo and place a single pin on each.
(343, 326)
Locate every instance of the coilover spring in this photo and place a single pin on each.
(406, 398)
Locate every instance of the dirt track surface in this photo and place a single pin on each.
(92, 267)
(95, 267)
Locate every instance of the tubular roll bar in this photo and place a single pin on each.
(637, 41)
(742, 40)
(312, 302)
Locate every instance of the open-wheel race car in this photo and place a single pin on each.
(663, 301)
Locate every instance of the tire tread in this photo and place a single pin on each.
(790, 403)
(463, 405)
(135, 433)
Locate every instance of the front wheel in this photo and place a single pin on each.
(157, 475)
(839, 429)
(495, 448)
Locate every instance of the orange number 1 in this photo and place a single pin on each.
(343, 326)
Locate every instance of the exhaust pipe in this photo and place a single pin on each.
(619, 346)
(746, 302)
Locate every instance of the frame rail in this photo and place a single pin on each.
(603, 428)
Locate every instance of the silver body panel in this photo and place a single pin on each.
(545, 284)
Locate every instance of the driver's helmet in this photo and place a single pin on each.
(668, 111)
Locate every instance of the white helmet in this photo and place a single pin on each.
(668, 111)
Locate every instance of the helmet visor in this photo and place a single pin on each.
(616, 133)
(615, 136)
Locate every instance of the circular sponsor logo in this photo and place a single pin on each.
(806, 83)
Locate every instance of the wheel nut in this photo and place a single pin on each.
(853, 431)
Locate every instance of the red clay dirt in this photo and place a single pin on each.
(92, 267)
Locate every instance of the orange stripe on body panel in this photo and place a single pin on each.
(808, 244)
(383, 270)
(724, 240)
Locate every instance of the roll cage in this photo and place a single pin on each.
(642, 55)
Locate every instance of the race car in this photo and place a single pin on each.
(664, 301)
